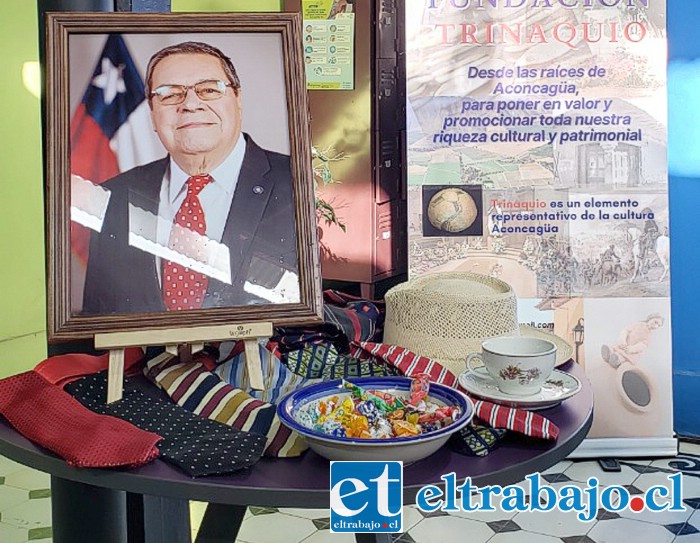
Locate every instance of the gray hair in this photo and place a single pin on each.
(192, 48)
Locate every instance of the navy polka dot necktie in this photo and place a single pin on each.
(196, 445)
(184, 288)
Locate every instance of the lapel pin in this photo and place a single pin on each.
(258, 189)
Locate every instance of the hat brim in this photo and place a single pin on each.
(564, 349)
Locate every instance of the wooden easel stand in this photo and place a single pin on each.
(182, 342)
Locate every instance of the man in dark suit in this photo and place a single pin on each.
(210, 225)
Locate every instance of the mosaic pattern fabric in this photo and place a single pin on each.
(322, 361)
(476, 439)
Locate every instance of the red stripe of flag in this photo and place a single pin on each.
(92, 159)
(91, 156)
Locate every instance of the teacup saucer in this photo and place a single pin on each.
(558, 387)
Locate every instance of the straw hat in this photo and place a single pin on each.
(446, 316)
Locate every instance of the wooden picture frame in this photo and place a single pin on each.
(265, 271)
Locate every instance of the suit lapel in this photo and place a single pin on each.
(249, 201)
(145, 196)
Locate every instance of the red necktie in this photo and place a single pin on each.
(184, 288)
(85, 439)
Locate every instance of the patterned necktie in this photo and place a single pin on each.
(196, 445)
(84, 438)
(184, 288)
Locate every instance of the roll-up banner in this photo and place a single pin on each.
(537, 154)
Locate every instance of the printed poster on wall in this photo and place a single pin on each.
(537, 154)
(329, 44)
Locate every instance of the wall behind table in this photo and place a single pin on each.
(22, 298)
(226, 5)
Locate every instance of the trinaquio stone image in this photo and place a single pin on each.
(452, 210)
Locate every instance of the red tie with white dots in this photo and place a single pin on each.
(184, 288)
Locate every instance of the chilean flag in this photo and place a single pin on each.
(110, 131)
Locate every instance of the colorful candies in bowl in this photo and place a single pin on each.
(376, 418)
(377, 414)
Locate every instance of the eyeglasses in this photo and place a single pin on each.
(208, 90)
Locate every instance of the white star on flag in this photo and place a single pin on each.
(110, 80)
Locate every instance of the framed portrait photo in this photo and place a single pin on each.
(179, 179)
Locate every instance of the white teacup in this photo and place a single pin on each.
(518, 365)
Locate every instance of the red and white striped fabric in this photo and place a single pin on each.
(517, 420)
(408, 362)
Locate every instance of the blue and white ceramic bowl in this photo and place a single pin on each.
(407, 449)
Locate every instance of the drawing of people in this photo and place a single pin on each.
(650, 232)
(610, 255)
(633, 341)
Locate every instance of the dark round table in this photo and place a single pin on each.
(148, 504)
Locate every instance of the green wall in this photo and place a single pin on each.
(22, 305)
(22, 287)
(226, 5)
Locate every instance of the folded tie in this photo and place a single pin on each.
(278, 379)
(194, 444)
(65, 368)
(346, 318)
(476, 439)
(519, 420)
(408, 362)
(323, 361)
(191, 386)
(46, 415)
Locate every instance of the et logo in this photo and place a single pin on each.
(366, 497)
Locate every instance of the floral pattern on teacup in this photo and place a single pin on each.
(514, 372)
(554, 385)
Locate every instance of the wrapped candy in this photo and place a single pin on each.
(447, 410)
(334, 428)
(326, 407)
(369, 410)
(448, 414)
(398, 414)
(382, 429)
(420, 385)
(393, 402)
(342, 412)
(384, 402)
(430, 427)
(357, 425)
(444, 416)
(404, 428)
(425, 418)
